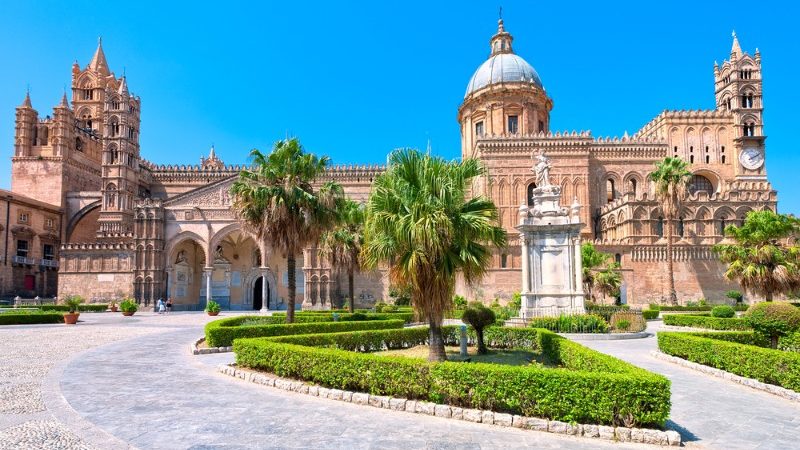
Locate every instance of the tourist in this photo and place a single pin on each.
(169, 305)
(160, 306)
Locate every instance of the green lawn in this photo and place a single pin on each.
(505, 357)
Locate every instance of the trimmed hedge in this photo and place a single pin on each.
(88, 307)
(578, 323)
(221, 333)
(682, 308)
(590, 387)
(30, 317)
(327, 316)
(605, 311)
(650, 314)
(717, 350)
(711, 323)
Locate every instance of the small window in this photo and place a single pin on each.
(22, 248)
(47, 252)
(541, 126)
(680, 227)
(479, 129)
(722, 226)
(504, 261)
(723, 159)
(611, 192)
(49, 223)
(513, 124)
(23, 217)
(660, 227)
(618, 259)
(691, 159)
(708, 159)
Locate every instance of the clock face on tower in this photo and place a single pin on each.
(751, 158)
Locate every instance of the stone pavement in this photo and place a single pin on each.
(113, 383)
(710, 411)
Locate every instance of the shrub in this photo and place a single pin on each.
(479, 317)
(723, 311)
(221, 333)
(72, 302)
(627, 321)
(590, 388)
(773, 320)
(381, 307)
(711, 323)
(128, 305)
(699, 303)
(736, 296)
(579, 323)
(30, 317)
(213, 307)
(790, 342)
(516, 301)
(720, 350)
(496, 304)
(650, 314)
(459, 302)
(605, 311)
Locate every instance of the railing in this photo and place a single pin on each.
(49, 263)
(22, 260)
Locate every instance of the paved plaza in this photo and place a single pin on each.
(114, 382)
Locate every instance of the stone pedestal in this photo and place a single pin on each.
(552, 279)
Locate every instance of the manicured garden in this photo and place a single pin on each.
(583, 386)
(768, 353)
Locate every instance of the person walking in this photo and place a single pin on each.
(169, 305)
(160, 307)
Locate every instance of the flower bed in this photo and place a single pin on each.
(221, 333)
(30, 317)
(588, 387)
(711, 323)
(740, 353)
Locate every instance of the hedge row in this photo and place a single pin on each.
(650, 314)
(711, 323)
(717, 350)
(30, 317)
(327, 316)
(589, 388)
(738, 307)
(88, 307)
(221, 333)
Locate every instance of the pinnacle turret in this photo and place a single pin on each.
(736, 49)
(98, 62)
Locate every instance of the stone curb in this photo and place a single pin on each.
(788, 394)
(620, 434)
(205, 351)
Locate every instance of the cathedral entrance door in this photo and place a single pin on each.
(257, 291)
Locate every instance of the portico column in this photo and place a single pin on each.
(264, 299)
(208, 271)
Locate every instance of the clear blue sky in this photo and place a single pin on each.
(355, 80)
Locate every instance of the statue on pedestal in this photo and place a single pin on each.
(542, 170)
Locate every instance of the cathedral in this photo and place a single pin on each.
(127, 227)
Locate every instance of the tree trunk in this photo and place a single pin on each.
(773, 340)
(350, 290)
(673, 297)
(290, 267)
(481, 344)
(768, 296)
(436, 343)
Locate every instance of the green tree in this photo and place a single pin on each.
(671, 179)
(421, 223)
(764, 257)
(773, 320)
(478, 316)
(276, 203)
(600, 273)
(342, 244)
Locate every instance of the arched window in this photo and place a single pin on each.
(632, 185)
(660, 227)
(531, 187)
(700, 183)
(722, 225)
(611, 193)
(618, 259)
(680, 227)
(504, 261)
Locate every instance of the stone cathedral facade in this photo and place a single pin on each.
(131, 227)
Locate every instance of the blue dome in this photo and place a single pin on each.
(503, 68)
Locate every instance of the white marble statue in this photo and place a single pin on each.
(542, 170)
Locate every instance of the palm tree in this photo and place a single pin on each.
(764, 258)
(599, 272)
(342, 244)
(275, 202)
(421, 223)
(671, 178)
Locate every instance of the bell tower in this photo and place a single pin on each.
(738, 90)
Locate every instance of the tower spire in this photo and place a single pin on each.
(736, 49)
(64, 103)
(99, 63)
(27, 102)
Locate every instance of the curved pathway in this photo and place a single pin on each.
(710, 411)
